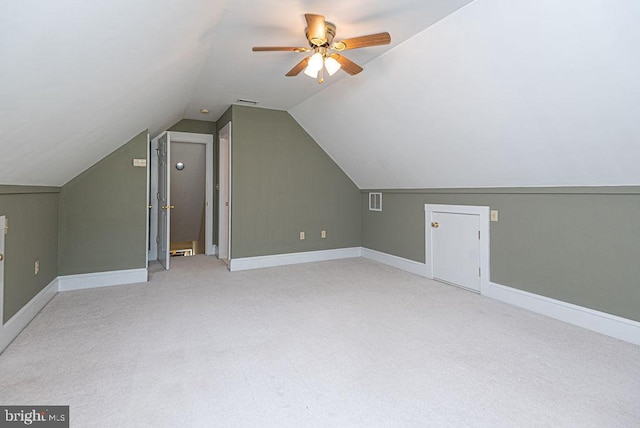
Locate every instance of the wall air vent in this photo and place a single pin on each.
(375, 201)
(250, 102)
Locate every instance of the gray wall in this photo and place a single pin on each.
(578, 245)
(194, 126)
(284, 183)
(103, 214)
(32, 213)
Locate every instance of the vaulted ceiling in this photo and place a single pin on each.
(468, 94)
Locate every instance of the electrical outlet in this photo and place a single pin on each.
(301, 236)
(36, 267)
(494, 215)
(323, 234)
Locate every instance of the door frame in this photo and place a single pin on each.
(483, 212)
(182, 137)
(224, 183)
(3, 220)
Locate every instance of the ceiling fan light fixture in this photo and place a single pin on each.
(311, 73)
(331, 65)
(315, 62)
(324, 51)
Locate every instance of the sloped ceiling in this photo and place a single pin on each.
(80, 78)
(500, 93)
(469, 93)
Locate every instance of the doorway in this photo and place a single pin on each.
(160, 191)
(187, 169)
(224, 192)
(457, 245)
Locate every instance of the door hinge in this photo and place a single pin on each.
(478, 234)
(480, 272)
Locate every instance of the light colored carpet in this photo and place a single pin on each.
(347, 343)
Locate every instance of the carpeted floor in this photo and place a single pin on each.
(347, 343)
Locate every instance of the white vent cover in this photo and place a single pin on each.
(375, 201)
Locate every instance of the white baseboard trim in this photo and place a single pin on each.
(414, 267)
(101, 279)
(246, 263)
(601, 322)
(23, 317)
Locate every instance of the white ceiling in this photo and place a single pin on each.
(496, 93)
(232, 71)
(501, 93)
(80, 78)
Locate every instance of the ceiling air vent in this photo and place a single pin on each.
(375, 201)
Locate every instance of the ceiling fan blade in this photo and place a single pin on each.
(363, 41)
(316, 29)
(278, 48)
(348, 66)
(298, 68)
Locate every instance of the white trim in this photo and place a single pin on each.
(601, 322)
(207, 140)
(183, 137)
(12, 328)
(224, 211)
(148, 170)
(412, 266)
(101, 279)
(188, 137)
(481, 211)
(3, 223)
(246, 263)
(153, 200)
(209, 248)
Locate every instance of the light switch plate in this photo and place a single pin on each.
(494, 215)
(140, 163)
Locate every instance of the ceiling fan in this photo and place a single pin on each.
(320, 34)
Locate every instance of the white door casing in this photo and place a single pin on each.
(181, 137)
(149, 204)
(457, 245)
(153, 201)
(164, 200)
(224, 194)
(2, 257)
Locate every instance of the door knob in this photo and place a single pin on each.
(1, 257)
(435, 224)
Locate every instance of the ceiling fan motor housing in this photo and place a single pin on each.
(318, 40)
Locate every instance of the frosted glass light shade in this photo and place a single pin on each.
(315, 62)
(311, 73)
(331, 65)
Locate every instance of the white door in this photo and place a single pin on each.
(164, 200)
(455, 248)
(224, 200)
(2, 232)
